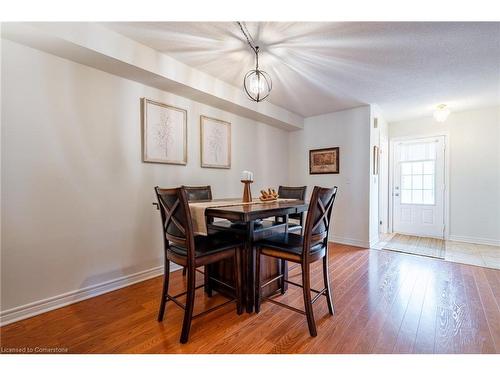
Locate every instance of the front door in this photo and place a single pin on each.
(418, 189)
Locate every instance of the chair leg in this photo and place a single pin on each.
(188, 312)
(306, 282)
(326, 279)
(166, 278)
(283, 274)
(237, 280)
(184, 269)
(257, 280)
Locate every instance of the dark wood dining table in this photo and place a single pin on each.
(247, 220)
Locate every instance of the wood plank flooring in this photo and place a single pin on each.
(385, 302)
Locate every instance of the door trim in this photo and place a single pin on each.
(446, 198)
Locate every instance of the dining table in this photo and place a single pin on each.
(248, 220)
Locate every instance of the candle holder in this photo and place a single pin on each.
(247, 193)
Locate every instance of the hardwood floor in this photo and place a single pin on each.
(385, 302)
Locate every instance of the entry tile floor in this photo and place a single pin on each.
(461, 252)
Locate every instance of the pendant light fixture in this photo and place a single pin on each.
(441, 113)
(257, 83)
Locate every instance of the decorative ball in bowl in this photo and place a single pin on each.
(268, 195)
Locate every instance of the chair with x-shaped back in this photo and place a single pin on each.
(198, 194)
(306, 249)
(293, 192)
(182, 247)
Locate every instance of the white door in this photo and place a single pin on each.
(418, 189)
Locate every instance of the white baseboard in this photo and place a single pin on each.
(374, 242)
(38, 307)
(349, 241)
(478, 240)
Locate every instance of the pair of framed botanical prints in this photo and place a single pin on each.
(164, 136)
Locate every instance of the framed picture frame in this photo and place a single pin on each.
(324, 161)
(164, 133)
(376, 161)
(215, 143)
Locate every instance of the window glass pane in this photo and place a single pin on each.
(428, 196)
(417, 172)
(406, 196)
(428, 182)
(417, 168)
(417, 196)
(429, 167)
(406, 182)
(416, 182)
(405, 168)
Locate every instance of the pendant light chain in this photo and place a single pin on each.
(257, 83)
(248, 37)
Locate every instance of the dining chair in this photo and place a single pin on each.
(292, 192)
(197, 194)
(305, 250)
(182, 247)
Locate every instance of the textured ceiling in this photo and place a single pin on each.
(406, 68)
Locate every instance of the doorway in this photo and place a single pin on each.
(419, 187)
(417, 215)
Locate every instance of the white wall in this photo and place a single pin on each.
(474, 148)
(76, 198)
(383, 176)
(378, 183)
(349, 130)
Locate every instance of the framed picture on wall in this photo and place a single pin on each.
(376, 162)
(324, 161)
(215, 143)
(164, 133)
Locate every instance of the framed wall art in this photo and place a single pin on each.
(324, 161)
(164, 133)
(376, 160)
(215, 143)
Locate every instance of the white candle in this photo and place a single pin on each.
(247, 176)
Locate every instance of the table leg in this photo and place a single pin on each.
(206, 280)
(249, 268)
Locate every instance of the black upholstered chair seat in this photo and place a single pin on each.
(205, 245)
(290, 243)
(291, 225)
(296, 216)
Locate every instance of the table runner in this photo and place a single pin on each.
(198, 211)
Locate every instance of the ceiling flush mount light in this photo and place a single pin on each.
(257, 83)
(441, 113)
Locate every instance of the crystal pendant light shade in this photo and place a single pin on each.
(257, 84)
(441, 113)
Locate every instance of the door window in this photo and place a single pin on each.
(417, 162)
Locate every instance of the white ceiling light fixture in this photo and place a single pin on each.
(441, 113)
(257, 83)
